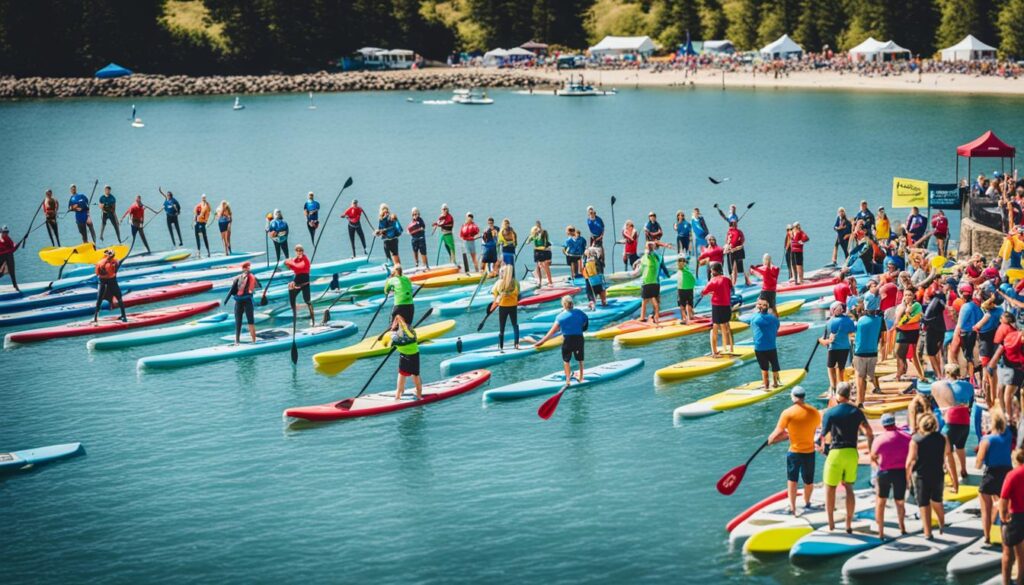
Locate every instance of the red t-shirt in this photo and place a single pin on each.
(720, 288)
(887, 292)
(1012, 349)
(629, 245)
(353, 214)
(941, 226)
(298, 265)
(734, 238)
(712, 254)
(842, 292)
(769, 277)
(798, 239)
(7, 245)
(469, 231)
(137, 211)
(1013, 490)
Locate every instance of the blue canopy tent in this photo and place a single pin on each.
(111, 71)
(687, 49)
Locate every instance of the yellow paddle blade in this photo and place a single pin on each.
(60, 256)
(333, 368)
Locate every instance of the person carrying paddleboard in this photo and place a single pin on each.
(242, 288)
(889, 455)
(404, 340)
(650, 278)
(468, 233)
(446, 223)
(769, 274)
(50, 206)
(840, 425)
(106, 272)
(506, 300)
(684, 289)
(1011, 515)
(108, 208)
(596, 226)
(172, 209)
(7, 249)
(137, 211)
(401, 286)
(541, 253)
(766, 329)
(200, 217)
(417, 229)
(300, 282)
(277, 229)
(572, 322)
(799, 423)
(995, 458)
(928, 460)
(79, 203)
(312, 210)
(720, 289)
(354, 215)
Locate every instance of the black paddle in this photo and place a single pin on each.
(375, 341)
(25, 238)
(374, 230)
(347, 184)
(516, 258)
(375, 313)
(715, 181)
(749, 205)
(493, 306)
(295, 348)
(74, 250)
(381, 365)
(263, 298)
(615, 242)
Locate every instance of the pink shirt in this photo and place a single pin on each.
(892, 448)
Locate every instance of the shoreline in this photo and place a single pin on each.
(436, 79)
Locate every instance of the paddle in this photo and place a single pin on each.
(547, 409)
(414, 293)
(374, 230)
(295, 348)
(615, 242)
(483, 278)
(25, 238)
(347, 184)
(74, 250)
(266, 246)
(263, 298)
(375, 313)
(516, 257)
(749, 205)
(492, 306)
(384, 361)
(327, 311)
(715, 181)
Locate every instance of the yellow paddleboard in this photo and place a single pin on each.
(80, 254)
(671, 331)
(789, 307)
(965, 494)
(776, 540)
(446, 280)
(363, 348)
(739, 396)
(706, 364)
(878, 409)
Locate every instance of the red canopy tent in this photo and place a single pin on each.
(988, 145)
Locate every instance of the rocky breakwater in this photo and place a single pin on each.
(177, 85)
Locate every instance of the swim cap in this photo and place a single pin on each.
(798, 393)
(888, 420)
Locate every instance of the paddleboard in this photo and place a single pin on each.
(552, 383)
(548, 294)
(138, 260)
(756, 507)
(737, 397)
(615, 309)
(370, 347)
(48, 299)
(706, 364)
(473, 341)
(671, 331)
(481, 358)
(784, 309)
(456, 279)
(979, 555)
(16, 460)
(777, 515)
(217, 322)
(80, 254)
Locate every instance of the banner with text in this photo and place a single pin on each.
(909, 193)
(944, 195)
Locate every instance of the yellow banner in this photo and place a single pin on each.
(909, 193)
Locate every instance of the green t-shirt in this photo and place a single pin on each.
(687, 281)
(402, 287)
(649, 266)
(408, 348)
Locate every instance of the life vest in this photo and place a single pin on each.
(106, 269)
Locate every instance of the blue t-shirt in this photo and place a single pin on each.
(391, 229)
(872, 302)
(731, 217)
(841, 327)
(970, 315)
(171, 207)
(575, 246)
(867, 216)
(1000, 448)
(596, 226)
(993, 320)
(916, 225)
(963, 392)
(683, 229)
(865, 342)
(79, 199)
(699, 229)
(108, 200)
(313, 207)
(279, 226)
(572, 322)
(653, 227)
(766, 328)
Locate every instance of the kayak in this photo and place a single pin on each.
(86, 308)
(112, 323)
(480, 358)
(370, 347)
(216, 322)
(267, 341)
(784, 309)
(615, 309)
(384, 402)
(672, 330)
(140, 260)
(484, 298)
(737, 397)
(758, 506)
(81, 254)
(548, 294)
(703, 365)
(552, 383)
(15, 460)
(915, 549)
(455, 279)
(478, 340)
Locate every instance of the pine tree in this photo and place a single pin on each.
(742, 29)
(1011, 29)
(778, 17)
(712, 20)
(963, 17)
(912, 25)
(675, 18)
(821, 24)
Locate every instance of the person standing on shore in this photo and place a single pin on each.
(796, 245)
(7, 250)
(596, 226)
(843, 230)
(889, 455)
(224, 220)
(916, 226)
(242, 288)
(277, 228)
(106, 272)
(699, 227)
(720, 288)
(630, 243)
(137, 211)
(468, 233)
(883, 229)
(769, 274)
(865, 216)
(312, 210)
(172, 209)
(683, 230)
(446, 222)
(200, 217)
(50, 206)
(940, 229)
(108, 209)
(799, 423)
(79, 203)
(354, 214)
(841, 425)
(417, 230)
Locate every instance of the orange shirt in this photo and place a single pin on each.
(202, 212)
(800, 421)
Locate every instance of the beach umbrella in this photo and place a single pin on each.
(111, 71)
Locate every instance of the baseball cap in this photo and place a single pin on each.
(4, 229)
(888, 420)
(966, 288)
(246, 264)
(798, 393)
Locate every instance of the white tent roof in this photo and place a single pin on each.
(872, 49)
(782, 46)
(612, 44)
(496, 53)
(892, 47)
(519, 52)
(968, 49)
(869, 46)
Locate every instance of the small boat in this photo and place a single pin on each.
(473, 97)
(16, 460)
(238, 104)
(580, 89)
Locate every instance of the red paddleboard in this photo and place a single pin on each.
(384, 402)
(776, 497)
(113, 323)
(806, 284)
(791, 327)
(546, 295)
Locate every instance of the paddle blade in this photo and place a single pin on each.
(547, 410)
(613, 200)
(714, 181)
(731, 480)
(327, 315)
(334, 283)
(458, 345)
(295, 353)
(263, 301)
(348, 183)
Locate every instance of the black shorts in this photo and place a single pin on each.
(768, 295)
(967, 341)
(928, 489)
(301, 282)
(650, 291)
(957, 435)
(907, 337)
(406, 311)
(797, 258)
(223, 226)
(767, 359)
(800, 466)
(571, 260)
(720, 314)
(933, 339)
(572, 347)
(838, 358)
(409, 365)
(542, 255)
(1013, 533)
(490, 256)
(419, 246)
(244, 308)
(737, 259)
(684, 298)
(992, 481)
(109, 290)
(391, 247)
(896, 479)
(986, 344)
(597, 289)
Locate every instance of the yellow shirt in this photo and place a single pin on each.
(882, 231)
(800, 421)
(506, 299)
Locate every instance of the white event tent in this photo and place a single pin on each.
(616, 46)
(782, 48)
(875, 50)
(969, 49)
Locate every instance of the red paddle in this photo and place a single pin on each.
(547, 409)
(731, 480)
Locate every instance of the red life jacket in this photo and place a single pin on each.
(106, 269)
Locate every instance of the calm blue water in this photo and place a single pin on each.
(190, 475)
